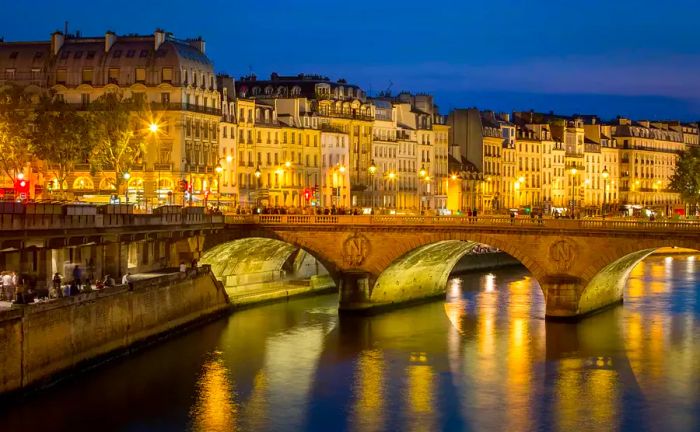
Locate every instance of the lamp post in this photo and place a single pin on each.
(392, 178)
(573, 172)
(219, 169)
(372, 172)
(605, 175)
(421, 175)
(257, 185)
(126, 176)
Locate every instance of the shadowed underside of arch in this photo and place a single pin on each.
(420, 273)
(248, 260)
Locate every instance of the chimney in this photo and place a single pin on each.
(197, 43)
(57, 39)
(110, 38)
(159, 38)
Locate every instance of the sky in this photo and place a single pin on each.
(637, 58)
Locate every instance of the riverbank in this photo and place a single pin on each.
(43, 341)
(247, 296)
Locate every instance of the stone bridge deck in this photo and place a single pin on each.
(582, 265)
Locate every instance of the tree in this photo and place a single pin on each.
(118, 133)
(686, 179)
(61, 137)
(16, 117)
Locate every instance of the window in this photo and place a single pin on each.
(165, 98)
(9, 74)
(113, 76)
(144, 53)
(38, 55)
(167, 74)
(60, 76)
(14, 54)
(85, 99)
(78, 54)
(64, 55)
(36, 73)
(117, 54)
(140, 74)
(130, 53)
(90, 55)
(87, 76)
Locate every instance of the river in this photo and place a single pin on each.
(483, 359)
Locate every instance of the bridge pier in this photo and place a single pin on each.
(355, 289)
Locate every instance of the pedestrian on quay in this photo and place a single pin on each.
(539, 218)
(77, 273)
(8, 286)
(125, 278)
(512, 218)
(57, 292)
(183, 267)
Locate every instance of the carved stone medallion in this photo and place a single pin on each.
(355, 249)
(562, 253)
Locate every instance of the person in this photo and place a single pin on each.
(76, 274)
(183, 268)
(194, 263)
(8, 286)
(57, 285)
(539, 218)
(475, 213)
(532, 216)
(125, 278)
(512, 218)
(108, 281)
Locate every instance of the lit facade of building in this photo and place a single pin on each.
(174, 76)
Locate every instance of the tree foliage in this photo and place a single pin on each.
(686, 179)
(62, 137)
(118, 133)
(16, 118)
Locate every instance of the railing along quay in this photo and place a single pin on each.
(483, 221)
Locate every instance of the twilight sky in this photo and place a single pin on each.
(639, 58)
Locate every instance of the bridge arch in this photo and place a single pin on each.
(614, 268)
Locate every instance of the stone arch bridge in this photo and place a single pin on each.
(379, 261)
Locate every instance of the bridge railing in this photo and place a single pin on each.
(9, 222)
(522, 222)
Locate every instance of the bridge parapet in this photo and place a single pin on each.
(484, 221)
(15, 222)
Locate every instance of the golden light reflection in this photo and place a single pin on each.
(420, 395)
(568, 393)
(519, 361)
(490, 282)
(215, 409)
(256, 409)
(368, 413)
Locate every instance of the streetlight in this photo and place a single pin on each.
(126, 176)
(392, 178)
(372, 172)
(257, 185)
(605, 175)
(219, 169)
(421, 175)
(573, 172)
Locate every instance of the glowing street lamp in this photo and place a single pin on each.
(126, 177)
(257, 185)
(372, 172)
(153, 127)
(605, 174)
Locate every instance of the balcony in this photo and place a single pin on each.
(162, 167)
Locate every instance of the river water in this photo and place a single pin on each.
(483, 359)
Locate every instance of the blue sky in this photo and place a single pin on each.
(637, 58)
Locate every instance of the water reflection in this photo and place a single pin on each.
(215, 409)
(484, 359)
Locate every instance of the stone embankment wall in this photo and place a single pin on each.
(484, 261)
(40, 340)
